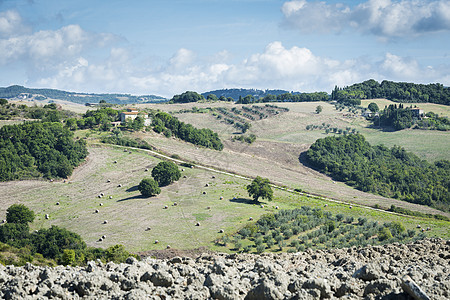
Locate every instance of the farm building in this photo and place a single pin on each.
(132, 114)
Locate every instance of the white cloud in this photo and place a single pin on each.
(11, 24)
(384, 18)
(50, 45)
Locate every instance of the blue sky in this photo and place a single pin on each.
(166, 47)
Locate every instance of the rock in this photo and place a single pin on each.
(319, 284)
(161, 278)
(412, 289)
(265, 290)
(379, 287)
(368, 272)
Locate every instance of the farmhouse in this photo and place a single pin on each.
(132, 114)
(417, 112)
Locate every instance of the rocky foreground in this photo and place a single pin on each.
(396, 271)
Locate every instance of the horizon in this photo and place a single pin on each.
(167, 47)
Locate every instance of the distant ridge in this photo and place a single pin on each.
(236, 93)
(17, 91)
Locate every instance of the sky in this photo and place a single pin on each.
(166, 47)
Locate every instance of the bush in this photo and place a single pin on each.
(384, 234)
(149, 187)
(165, 173)
(19, 213)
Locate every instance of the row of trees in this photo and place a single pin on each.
(55, 243)
(395, 91)
(36, 149)
(390, 172)
(303, 228)
(402, 117)
(286, 97)
(169, 125)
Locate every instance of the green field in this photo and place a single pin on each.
(275, 155)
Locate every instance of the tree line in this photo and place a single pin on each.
(285, 97)
(396, 91)
(169, 125)
(35, 149)
(390, 172)
(402, 117)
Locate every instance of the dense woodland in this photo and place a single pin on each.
(396, 91)
(169, 125)
(390, 172)
(402, 117)
(36, 149)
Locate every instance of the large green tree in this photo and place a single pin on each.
(165, 173)
(19, 213)
(149, 187)
(260, 187)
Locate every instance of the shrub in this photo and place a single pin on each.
(149, 187)
(19, 213)
(165, 173)
(384, 234)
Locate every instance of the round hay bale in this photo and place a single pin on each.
(129, 152)
(276, 207)
(423, 229)
(168, 247)
(213, 177)
(100, 240)
(105, 222)
(57, 203)
(197, 224)
(221, 197)
(166, 207)
(182, 170)
(350, 207)
(110, 197)
(207, 184)
(208, 207)
(119, 185)
(156, 241)
(234, 198)
(184, 176)
(47, 216)
(103, 236)
(101, 194)
(97, 211)
(418, 226)
(250, 219)
(115, 161)
(262, 206)
(175, 204)
(221, 231)
(147, 229)
(51, 180)
(428, 228)
(101, 204)
(326, 205)
(125, 150)
(146, 170)
(3, 221)
(204, 193)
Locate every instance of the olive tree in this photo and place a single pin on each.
(260, 187)
(165, 173)
(148, 187)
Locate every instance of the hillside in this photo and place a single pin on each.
(236, 93)
(20, 92)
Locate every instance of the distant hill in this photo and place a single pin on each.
(17, 91)
(404, 92)
(235, 93)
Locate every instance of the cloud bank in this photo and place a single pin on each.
(383, 18)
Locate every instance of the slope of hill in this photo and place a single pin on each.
(17, 91)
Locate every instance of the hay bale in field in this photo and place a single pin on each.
(57, 203)
(175, 204)
(250, 219)
(47, 216)
(208, 207)
(119, 185)
(221, 231)
(350, 207)
(156, 241)
(100, 240)
(197, 224)
(103, 236)
(105, 222)
(147, 229)
(166, 207)
(276, 207)
(101, 204)
(125, 150)
(204, 193)
(182, 170)
(184, 176)
(115, 161)
(213, 177)
(262, 206)
(326, 205)
(221, 197)
(207, 184)
(97, 211)
(146, 170)
(110, 197)
(108, 181)
(168, 247)
(101, 194)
